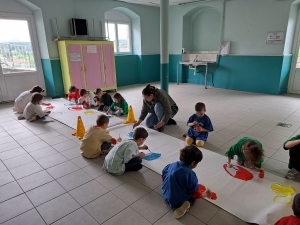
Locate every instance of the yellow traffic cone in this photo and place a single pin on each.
(130, 117)
(80, 129)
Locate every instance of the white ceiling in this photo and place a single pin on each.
(157, 2)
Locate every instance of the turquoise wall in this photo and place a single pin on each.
(130, 69)
(53, 77)
(262, 74)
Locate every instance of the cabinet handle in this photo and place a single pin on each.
(104, 67)
(84, 68)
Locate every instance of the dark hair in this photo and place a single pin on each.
(199, 106)
(253, 149)
(102, 119)
(36, 89)
(296, 205)
(72, 89)
(190, 154)
(149, 90)
(82, 92)
(119, 97)
(98, 90)
(140, 132)
(36, 98)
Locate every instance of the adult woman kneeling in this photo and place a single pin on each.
(159, 108)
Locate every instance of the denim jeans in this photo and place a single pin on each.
(134, 164)
(154, 118)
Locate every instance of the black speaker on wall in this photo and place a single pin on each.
(80, 25)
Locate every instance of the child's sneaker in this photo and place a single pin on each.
(104, 152)
(183, 209)
(292, 174)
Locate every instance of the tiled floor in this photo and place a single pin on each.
(44, 180)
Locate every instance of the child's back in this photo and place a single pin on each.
(179, 183)
(119, 155)
(93, 139)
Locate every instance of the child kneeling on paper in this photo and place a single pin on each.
(125, 156)
(96, 139)
(180, 185)
(292, 220)
(249, 153)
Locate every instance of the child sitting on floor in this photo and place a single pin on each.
(22, 100)
(180, 185)
(200, 125)
(96, 139)
(33, 111)
(292, 220)
(119, 106)
(84, 99)
(103, 99)
(293, 145)
(125, 156)
(249, 152)
(73, 94)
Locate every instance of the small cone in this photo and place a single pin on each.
(130, 117)
(80, 129)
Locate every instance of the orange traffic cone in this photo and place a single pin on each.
(80, 129)
(130, 117)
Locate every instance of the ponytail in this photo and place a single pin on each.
(149, 90)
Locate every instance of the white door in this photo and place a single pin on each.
(20, 62)
(294, 80)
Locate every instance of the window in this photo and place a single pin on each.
(119, 33)
(16, 53)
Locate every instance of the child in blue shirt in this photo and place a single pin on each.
(200, 125)
(180, 185)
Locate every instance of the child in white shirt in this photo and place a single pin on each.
(33, 111)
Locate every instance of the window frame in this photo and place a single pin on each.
(116, 22)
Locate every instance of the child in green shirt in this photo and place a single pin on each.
(293, 145)
(119, 106)
(249, 152)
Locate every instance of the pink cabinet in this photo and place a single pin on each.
(75, 60)
(93, 66)
(109, 65)
(88, 64)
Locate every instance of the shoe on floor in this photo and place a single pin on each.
(106, 151)
(184, 135)
(21, 117)
(171, 122)
(292, 174)
(183, 209)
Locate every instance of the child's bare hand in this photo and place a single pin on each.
(119, 139)
(145, 147)
(142, 155)
(195, 123)
(229, 165)
(207, 193)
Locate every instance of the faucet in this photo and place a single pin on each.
(195, 60)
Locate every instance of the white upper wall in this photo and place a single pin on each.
(10, 6)
(95, 9)
(115, 16)
(246, 23)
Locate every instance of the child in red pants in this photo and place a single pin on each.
(180, 184)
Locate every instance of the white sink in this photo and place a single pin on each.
(192, 63)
